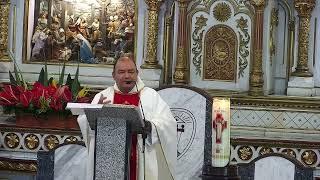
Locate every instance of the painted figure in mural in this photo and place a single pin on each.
(96, 33)
(39, 40)
(98, 51)
(82, 27)
(43, 21)
(86, 55)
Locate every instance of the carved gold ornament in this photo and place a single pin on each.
(220, 54)
(11, 140)
(265, 150)
(197, 37)
(289, 152)
(222, 12)
(309, 157)
(51, 142)
(258, 3)
(152, 39)
(274, 23)
(18, 166)
(180, 74)
(304, 9)
(31, 141)
(242, 24)
(4, 19)
(245, 153)
(71, 139)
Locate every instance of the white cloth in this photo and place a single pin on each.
(163, 141)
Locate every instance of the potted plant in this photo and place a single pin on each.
(42, 103)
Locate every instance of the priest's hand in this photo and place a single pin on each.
(104, 100)
(147, 127)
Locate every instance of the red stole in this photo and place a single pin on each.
(130, 99)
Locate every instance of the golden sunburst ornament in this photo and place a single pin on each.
(222, 12)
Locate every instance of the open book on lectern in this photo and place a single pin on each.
(104, 111)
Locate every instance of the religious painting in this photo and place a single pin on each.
(78, 31)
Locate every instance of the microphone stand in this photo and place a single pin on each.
(144, 134)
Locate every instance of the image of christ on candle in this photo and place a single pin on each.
(219, 124)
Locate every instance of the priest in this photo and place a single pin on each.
(155, 157)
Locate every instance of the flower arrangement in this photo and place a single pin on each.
(43, 96)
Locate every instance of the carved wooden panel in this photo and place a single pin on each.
(220, 60)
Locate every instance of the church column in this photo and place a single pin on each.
(304, 9)
(4, 20)
(256, 74)
(151, 61)
(181, 70)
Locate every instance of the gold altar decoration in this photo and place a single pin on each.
(51, 142)
(309, 157)
(168, 46)
(12, 140)
(4, 20)
(244, 35)
(71, 140)
(197, 36)
(181, 69)
(256, 74)
(265, 150)
(25, 166)
(304, 9)
(245, 153)
(289, 152)
(222, 12)
(31, 141)
(151, 61)
(220, 54)
(274, 23)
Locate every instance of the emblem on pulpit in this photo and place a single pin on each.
(186, 129)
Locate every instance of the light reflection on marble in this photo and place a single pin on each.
(70, 162)
(189, 109)
(275, 168)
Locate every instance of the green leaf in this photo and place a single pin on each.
(62, 74)
(41, 77)
(75, 87)
(17, 76)
(45, 74)
(50, 80)
(69, 81)
(12, 79)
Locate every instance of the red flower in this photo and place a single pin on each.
(9, 95)
(62, 96)
(39, 91)
(26, 98)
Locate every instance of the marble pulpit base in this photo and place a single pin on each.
(276, 168)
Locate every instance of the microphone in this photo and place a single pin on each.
(129, 82)
(144, 134)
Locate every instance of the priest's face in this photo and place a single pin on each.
(125, 74)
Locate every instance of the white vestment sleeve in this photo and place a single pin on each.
(164, 129)
(89, 140)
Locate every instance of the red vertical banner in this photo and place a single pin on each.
(220, 132)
